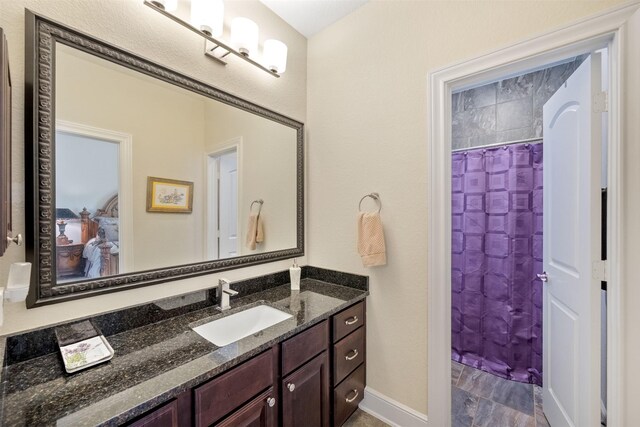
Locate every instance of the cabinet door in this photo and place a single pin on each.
(165, 416)
(305, 394)
(259, 412)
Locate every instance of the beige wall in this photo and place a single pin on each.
(167, 129)
(267, 169)
(135, 27)
(367, 86)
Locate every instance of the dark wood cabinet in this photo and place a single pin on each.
(348, 320)
(348, 354)
(304, 346)
(313, 379)
(348, 361)
(348, 395)
(259, 412)
(231, 390)
(164, 416)
(305, 395)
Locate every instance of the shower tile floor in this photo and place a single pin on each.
(479, 399)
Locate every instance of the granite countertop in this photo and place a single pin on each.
(155, 362)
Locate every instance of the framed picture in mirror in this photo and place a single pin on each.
(5, 144)
(169, 195)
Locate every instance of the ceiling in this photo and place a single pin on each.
(309, 17)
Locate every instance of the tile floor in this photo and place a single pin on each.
(479, 399)
(362, 419)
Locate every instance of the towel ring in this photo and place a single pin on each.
(259, 202)
(374, 196)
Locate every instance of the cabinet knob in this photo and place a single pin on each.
(271, 402)
(17, 240)
(351, 320)
(291, 387)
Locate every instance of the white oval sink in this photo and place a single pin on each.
(239, 325)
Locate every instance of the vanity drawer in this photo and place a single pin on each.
(297, 350)
(229, 391)
(348, 354)
(348, 395)
(348, 321)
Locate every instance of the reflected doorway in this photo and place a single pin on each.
(93, 202)
(222, 176)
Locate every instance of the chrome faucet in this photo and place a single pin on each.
(224, 292)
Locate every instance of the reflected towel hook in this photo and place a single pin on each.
(374, 196)
(260, 202)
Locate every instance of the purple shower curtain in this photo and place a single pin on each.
(496, 252)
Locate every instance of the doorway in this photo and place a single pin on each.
(511, 200)
(611, 30)
(222, 217)
(96, 172)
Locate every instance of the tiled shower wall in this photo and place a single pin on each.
(508, 110)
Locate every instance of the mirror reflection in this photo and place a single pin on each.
(150, 175)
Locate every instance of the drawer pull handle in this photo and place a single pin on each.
(291, 387)
(271, 402)
(354, 354)
(351, 320)
(349, 400)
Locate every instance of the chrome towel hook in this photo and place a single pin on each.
(374, 196)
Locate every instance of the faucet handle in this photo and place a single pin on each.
(224, 283)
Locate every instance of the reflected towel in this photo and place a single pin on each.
(255, 231)
(371, 245)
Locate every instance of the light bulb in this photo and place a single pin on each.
(208, 16)
(244, 36)
(275, 55)
(170, 5)
(167, 5)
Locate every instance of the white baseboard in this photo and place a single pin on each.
(390, 411)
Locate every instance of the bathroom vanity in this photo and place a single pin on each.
(307, 370)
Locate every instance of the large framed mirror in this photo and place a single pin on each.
(141, 175)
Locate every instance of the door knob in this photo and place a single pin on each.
(271, 402)
(543, 276)
(291, 387)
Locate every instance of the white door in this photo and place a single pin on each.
(571, 225)
(228, 205)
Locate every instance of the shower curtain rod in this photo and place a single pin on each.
(498, 144)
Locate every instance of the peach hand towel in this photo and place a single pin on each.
(255, 231)
(371, 245)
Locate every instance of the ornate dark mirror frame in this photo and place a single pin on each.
(41, 36)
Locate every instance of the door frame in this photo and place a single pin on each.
(125, 184)
(211, 192)
(604, 29)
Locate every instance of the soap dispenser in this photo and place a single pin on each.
(294, 273)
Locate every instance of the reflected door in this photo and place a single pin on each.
(224, 215)
(571, 222)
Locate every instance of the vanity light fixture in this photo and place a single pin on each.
(208, 16)
(206, 20)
